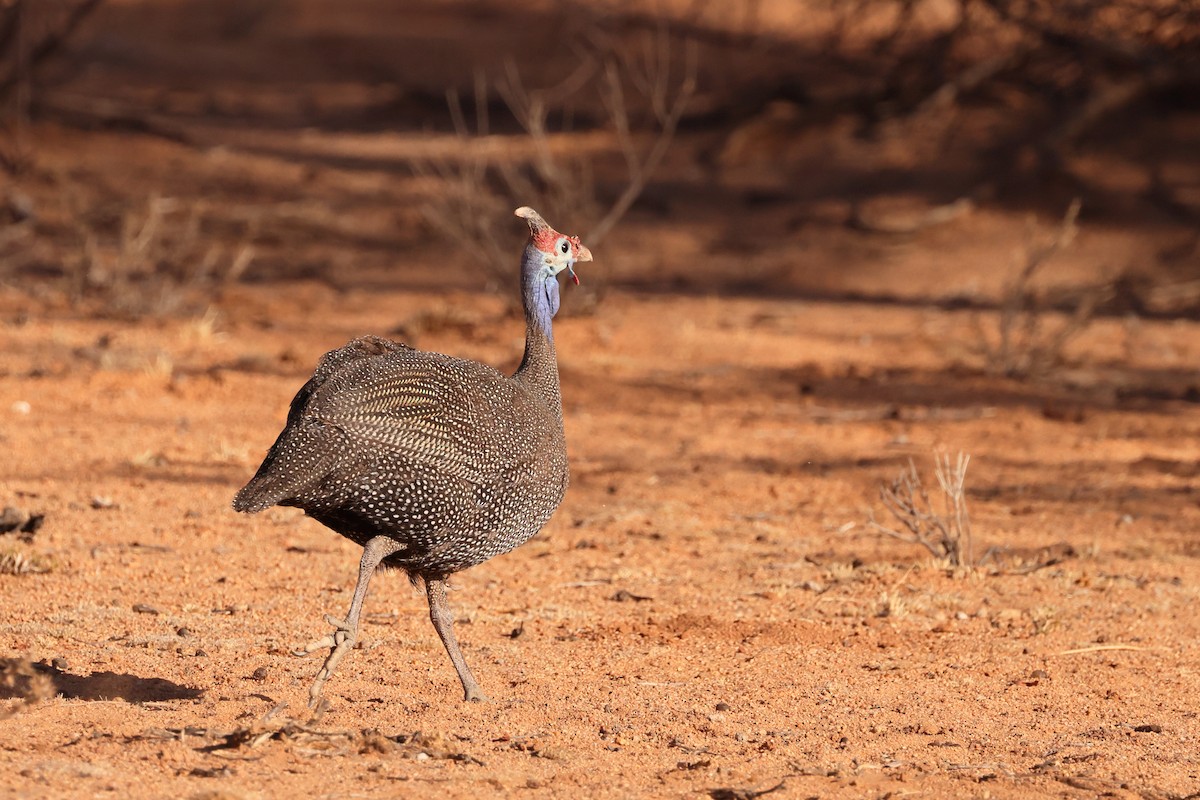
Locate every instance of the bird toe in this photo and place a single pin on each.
(324, 643)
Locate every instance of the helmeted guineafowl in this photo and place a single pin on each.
(432, 463)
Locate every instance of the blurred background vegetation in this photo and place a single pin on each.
(156, 152)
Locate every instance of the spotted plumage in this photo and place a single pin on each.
(433, 464)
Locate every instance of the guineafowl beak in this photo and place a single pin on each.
(581, 254)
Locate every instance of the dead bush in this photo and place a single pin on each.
(472, 203)
(945, 533)
(14, 561)
(1024, 342)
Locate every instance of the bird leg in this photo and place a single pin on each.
(345, 634)
(443, 623)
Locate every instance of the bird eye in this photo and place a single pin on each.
(564, 247)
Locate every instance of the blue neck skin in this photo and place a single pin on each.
(539, 291)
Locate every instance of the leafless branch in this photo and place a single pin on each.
(48, 45)
(951, 479)
(10, 24)
(655, 82)
(19, 56)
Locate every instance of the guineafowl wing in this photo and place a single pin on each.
(303, 453)
(423, 409)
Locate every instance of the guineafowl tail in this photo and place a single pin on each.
(296, 462)
(262, 492)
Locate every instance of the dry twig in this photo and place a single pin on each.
(44, 47)
(651, 76)
(307, 739)
(1103, 648)
(16, 562)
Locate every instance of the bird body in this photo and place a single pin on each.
(448, 456)
(432, 463)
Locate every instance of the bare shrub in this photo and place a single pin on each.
(945, 533)
(157, 260)
(471, 206)
(1131, 48)
(1024, 343)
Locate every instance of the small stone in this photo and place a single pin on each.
(722, 706)
(182, 632)
(1149, 728)
(142, 608)
(60, 664)
(24, 522)
(259, 674)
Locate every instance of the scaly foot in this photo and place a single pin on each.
(340, 642)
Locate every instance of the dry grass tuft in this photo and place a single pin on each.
(17, 562)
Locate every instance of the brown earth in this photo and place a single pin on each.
(710, 612)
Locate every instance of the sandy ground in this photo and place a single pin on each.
(710, 612)
(707, 611)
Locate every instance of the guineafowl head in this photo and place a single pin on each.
(547, 253)
(550, 252)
